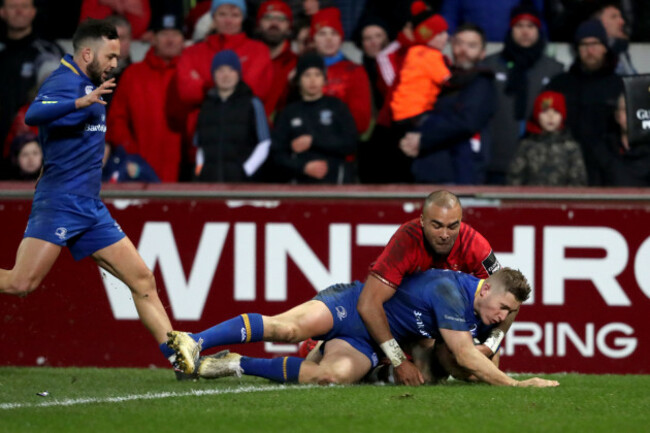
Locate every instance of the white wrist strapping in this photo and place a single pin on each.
(393, 352)
(494, 340)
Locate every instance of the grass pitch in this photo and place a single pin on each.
(139, 400)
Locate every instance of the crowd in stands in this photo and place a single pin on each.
(262, 90)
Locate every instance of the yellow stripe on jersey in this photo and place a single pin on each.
(65, 63)
(284, 367)
(247, 324)
(49, 102)
(478, 288)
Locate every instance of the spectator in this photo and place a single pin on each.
(123, 27)
(313, 136)
(491, 16)
(274, 19)
(345, 79)
(193, 76)
(591, 88)
(521, 70)
(26, 157)
(136, 12)
(301, 39)
(22, 55)
(372, 38)
(611, 17)
(424, 70)
(232, 134)
(118, 166)
(631, 167)
(138, 118)
(550, 156)
(452, 145)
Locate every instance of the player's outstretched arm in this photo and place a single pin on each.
(461, 345)
(49, 109)
(371, 309)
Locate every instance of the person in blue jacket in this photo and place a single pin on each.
(67, 211)
(451, 145)
(120, 166)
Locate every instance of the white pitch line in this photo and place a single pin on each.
(152, 396)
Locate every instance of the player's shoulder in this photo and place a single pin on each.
(66, 81)
(473, 239)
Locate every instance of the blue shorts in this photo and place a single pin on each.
(83, 224)
(341, 299)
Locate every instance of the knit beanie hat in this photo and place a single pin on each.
(226, 57)
(328, 17)
(310, 60)
(426, 23)
(544, 101)
(241, 4)
(525, 11)
(274, 6)
(591, 29)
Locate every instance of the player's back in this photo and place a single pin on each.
(73, 145)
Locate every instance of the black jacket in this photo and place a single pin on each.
(331, 125)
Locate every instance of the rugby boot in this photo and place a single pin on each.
(211, 367)
(187, 351)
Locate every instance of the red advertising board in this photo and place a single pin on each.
(216, 258)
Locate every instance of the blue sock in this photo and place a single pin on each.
(281, 370)
(166, 350)
(246, 328)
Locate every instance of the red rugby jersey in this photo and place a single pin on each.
(407, 252)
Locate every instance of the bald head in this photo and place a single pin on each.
(443, 199)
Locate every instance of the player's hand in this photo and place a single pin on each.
(538, 382)
(316, 169)
(302, 143)
(95, 96)
(408, 374)
(410, 144)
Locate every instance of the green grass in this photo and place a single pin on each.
(586, 403)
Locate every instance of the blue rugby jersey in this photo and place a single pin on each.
(432, 300)
(72, 140)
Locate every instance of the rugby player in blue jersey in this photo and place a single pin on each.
(66, 210)
(435, 304)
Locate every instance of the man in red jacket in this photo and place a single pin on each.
(193, 76)
(138, 116)
(345, 80)
(274, 19)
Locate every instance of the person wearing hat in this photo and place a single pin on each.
(591, 88)
(274, 20)
(232, 134)
(315, 136)
(424, 70)
(345, 80)
(549, 156)
(521, 70)
(138, 119)
(194, 77)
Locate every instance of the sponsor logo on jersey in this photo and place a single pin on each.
(88, 90)
(491, 264)
(95, 128)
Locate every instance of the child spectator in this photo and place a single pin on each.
(119, 166)
(26, 157)
(424, 70)
(314, 136)
(549, 157)
(232, 132)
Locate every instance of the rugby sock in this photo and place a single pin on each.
(168, 352)
(246, 328)
(281, 370)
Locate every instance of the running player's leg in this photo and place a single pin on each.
(123, 261)
(34, 259)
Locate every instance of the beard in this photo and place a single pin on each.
(273, 37)
(94, 71)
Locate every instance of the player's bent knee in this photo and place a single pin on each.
(22, 287)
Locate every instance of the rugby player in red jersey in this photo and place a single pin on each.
(438, 239)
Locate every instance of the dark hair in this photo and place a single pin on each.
(470, 27)
(514, 282)
(92, 30)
